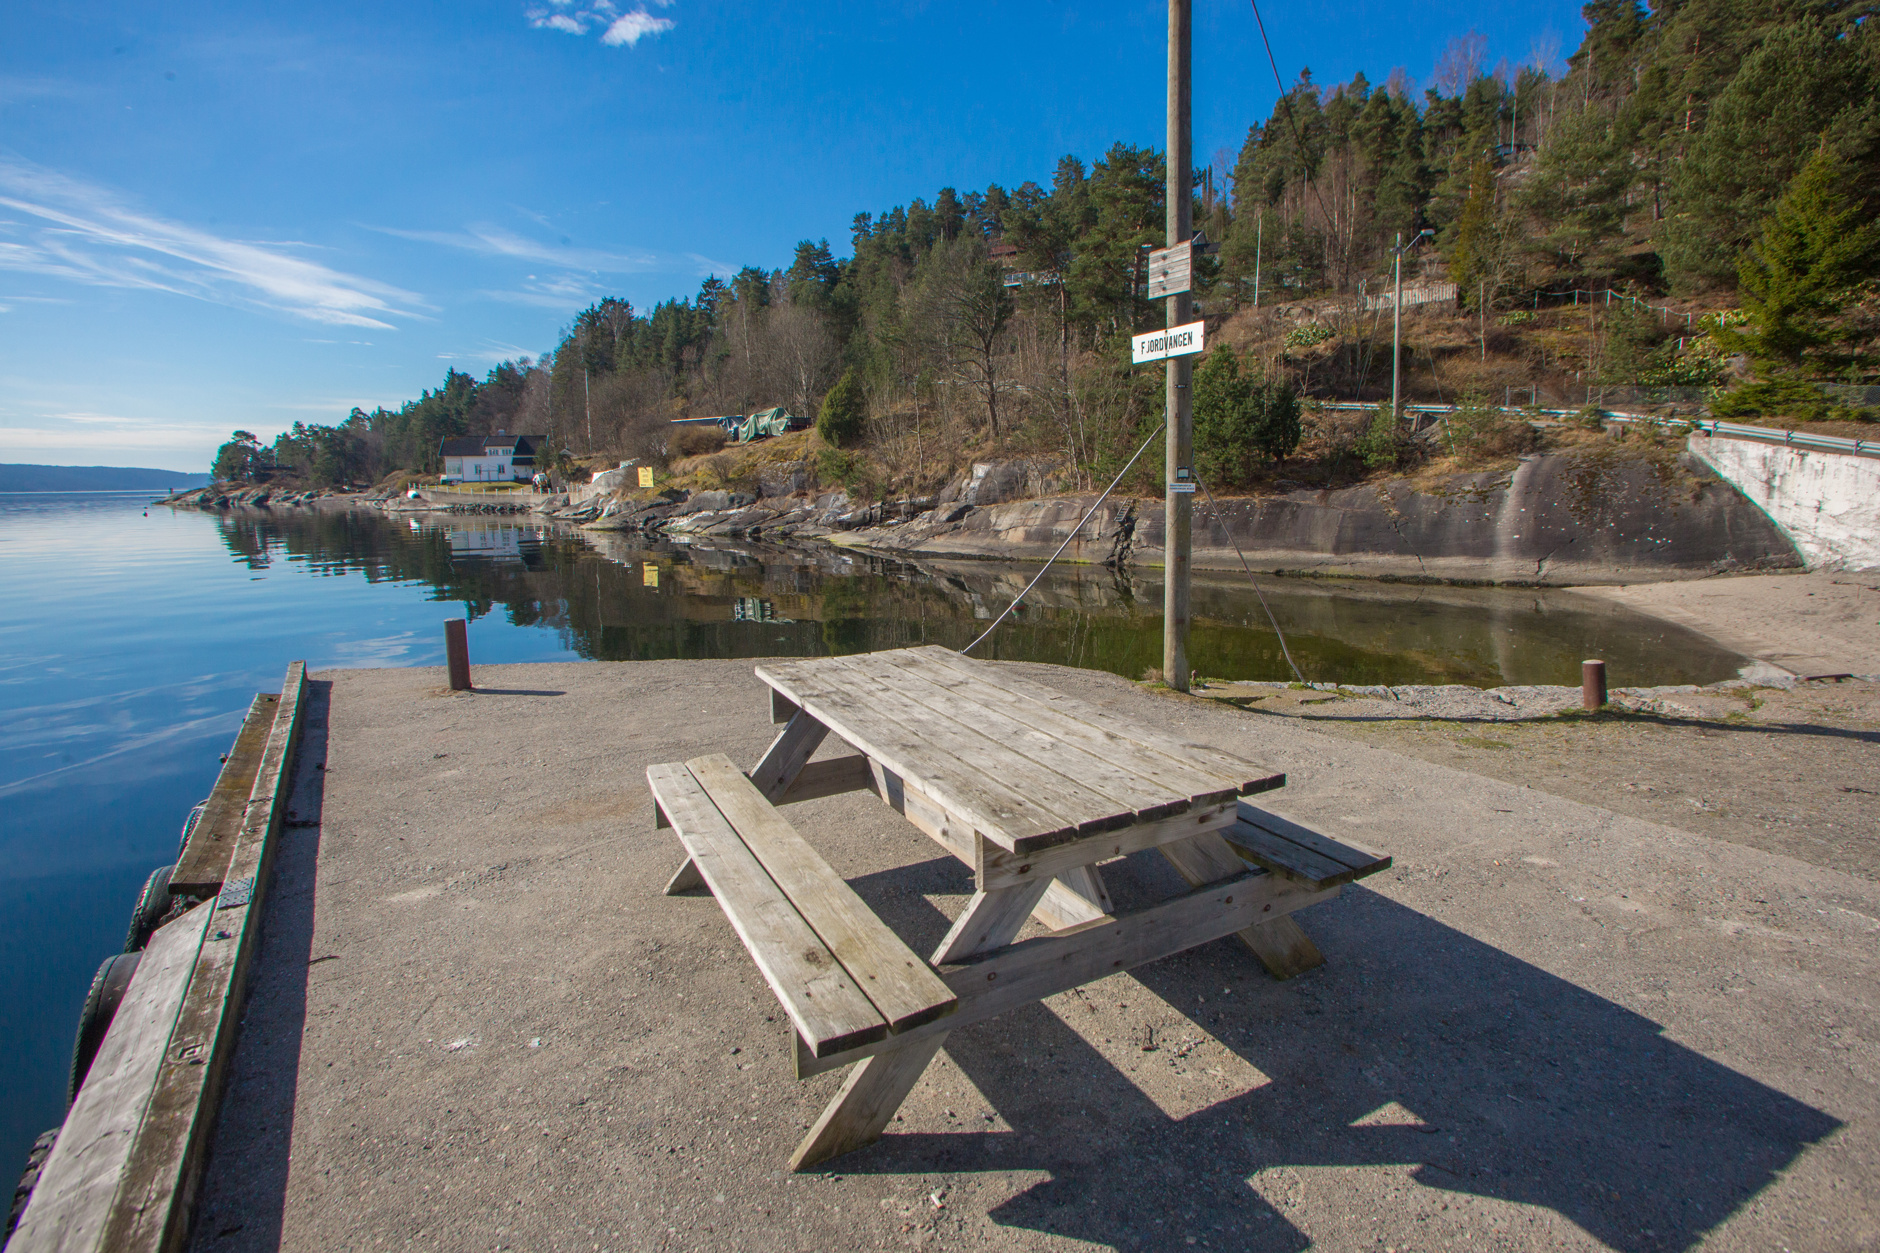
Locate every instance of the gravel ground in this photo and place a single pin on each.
(1787, 766)
(477, 1024)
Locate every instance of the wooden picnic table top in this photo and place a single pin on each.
(1025, 766)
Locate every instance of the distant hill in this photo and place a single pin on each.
(25, 478)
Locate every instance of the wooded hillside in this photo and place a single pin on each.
(1715, 164)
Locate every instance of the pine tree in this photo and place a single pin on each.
(1818, 248)
(844, 410)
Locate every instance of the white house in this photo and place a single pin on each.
(498, 458)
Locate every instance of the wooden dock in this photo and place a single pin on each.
(125, 1171)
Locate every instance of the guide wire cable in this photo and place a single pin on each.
(1285, 99)
(1068, 538)
(1215, 510)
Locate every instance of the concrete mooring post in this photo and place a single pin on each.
(1593, 684)
(457, 654)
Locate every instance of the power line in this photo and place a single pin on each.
(1285, 99)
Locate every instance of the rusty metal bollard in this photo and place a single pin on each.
(1593, 684)
(457, 654)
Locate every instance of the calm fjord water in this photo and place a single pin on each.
(131, 644)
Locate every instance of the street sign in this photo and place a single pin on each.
(1176, 341)
(1171, 271)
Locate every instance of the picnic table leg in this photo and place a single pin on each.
(1076, 895)
(788, 753)
(878, 1084)
(686, 879)
(874, 1089)
(1282, 947)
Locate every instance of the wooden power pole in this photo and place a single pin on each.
(1178, 491)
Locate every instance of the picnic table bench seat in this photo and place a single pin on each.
(841, 975)
(1299, 853)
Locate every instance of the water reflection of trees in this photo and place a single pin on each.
(593, 590)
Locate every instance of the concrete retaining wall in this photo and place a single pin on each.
(1827, 504)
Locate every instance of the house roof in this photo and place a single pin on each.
(479, 445)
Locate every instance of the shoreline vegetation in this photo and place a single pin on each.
(1682, 217)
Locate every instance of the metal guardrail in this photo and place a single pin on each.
(1706, 426)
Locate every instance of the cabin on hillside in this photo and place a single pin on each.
(498, 458)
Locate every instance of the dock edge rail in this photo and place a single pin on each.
(126, 1171)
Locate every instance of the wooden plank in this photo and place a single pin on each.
(1086, 729)
(1283, 948)
(1263, 848)
(830, 777)
(951, 832)
(1076, 895)
(1203, 858)
(685, 879)
(1364, 860)
(204, 860)
(998, 867)
(1248, 777)
(821, 999)
(157, 1200)
(902, 986)
(920, 757)
(1027, 801)
(794, 746)
(72, 1203)
(782, 708)
(857, 1116)
(1033, 969)
(1105, 771)
(989, 921)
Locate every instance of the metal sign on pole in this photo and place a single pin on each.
(1176, 341)
(1178, 504)
(1171, 271)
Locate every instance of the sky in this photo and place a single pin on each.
(221, 216)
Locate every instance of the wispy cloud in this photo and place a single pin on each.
(493, 241)
(617, 28)
(82, 233)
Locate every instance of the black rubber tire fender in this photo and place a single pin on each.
(189, 826)
(101, 1006)
(153, 906)
(23, 1191)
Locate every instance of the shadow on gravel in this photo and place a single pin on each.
(244, 1189)
(1528, 1089)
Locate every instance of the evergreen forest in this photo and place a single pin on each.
(1688, 204)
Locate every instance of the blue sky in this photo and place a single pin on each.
(218, 215)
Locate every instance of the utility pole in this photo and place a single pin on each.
(1396, 328)
(1259, 238)
(1177, 503)
(1396, 320)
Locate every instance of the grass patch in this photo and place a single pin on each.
(1477, 741)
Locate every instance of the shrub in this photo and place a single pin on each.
(695, 441)
(1381, 444)
(844, 411)
(1239, 415)
(1479, 429)
(1308, 335)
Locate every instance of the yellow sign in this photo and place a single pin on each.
(649, 573)
(646, 476)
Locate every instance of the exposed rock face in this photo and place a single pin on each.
(1556, 518)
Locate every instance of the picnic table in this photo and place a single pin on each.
(1032, 789)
